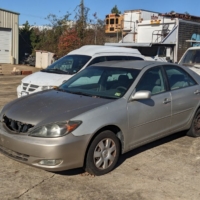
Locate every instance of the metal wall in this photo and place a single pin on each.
(9, 19)
(187, 31)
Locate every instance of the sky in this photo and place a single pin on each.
(36, 11)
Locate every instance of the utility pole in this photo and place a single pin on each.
(82, 12)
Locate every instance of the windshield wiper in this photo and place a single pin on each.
(55, 70)
(79, 93)
(105, 97)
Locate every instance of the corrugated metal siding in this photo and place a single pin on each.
(11, 20)
(186, 32)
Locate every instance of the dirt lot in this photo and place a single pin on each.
(165, 169)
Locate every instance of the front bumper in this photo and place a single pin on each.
(31, 150)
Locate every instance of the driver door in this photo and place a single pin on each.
(150, 118)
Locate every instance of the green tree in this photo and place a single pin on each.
(115, 10)
(24, 40)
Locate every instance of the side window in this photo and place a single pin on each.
(111, 58)
(133, 58)
(153, 81)
(178, 78)
(97, 60)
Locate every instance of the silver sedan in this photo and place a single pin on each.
(105, 110)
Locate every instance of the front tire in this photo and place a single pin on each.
(103, 154)
(194, 130)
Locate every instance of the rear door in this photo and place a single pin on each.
(185, 95)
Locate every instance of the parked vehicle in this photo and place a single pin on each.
(105, 110)
(191, 58)
(69, 65)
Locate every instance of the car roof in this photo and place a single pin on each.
(193, 48)
(90, 50)
(136, 64)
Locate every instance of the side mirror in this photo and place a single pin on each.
(143, 94)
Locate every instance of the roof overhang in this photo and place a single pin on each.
(1, 9)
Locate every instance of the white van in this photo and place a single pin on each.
(73, 62)
(191, 58)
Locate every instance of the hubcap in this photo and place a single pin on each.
(104, 153)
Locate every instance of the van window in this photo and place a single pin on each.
(112, 58)
(69, 64)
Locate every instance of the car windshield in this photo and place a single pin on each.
(101, 82)
(69, 64)
(191, 58)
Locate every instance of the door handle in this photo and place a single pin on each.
(166, 100)
(197, 92)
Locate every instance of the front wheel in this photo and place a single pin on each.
(103, 153)
(194, 130)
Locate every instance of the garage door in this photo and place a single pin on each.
(5, 46)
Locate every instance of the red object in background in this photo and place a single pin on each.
(26, 72)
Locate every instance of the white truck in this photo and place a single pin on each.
(165, 37)
(72, 63)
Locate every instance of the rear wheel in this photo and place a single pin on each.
(103, 153)
(195, 126)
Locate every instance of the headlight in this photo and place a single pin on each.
(47, 87)
(55, 130)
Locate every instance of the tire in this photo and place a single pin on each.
(103, 154)
(194, 130)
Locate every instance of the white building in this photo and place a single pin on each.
(9, 36)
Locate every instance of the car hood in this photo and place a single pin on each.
(50, 106)
(46, 79)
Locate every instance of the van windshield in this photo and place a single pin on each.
(191, 58)
(69, 64)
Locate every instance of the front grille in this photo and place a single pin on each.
(14, 154)
(29, 87)
(25, 85)
(34, 86)
(16, 125)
